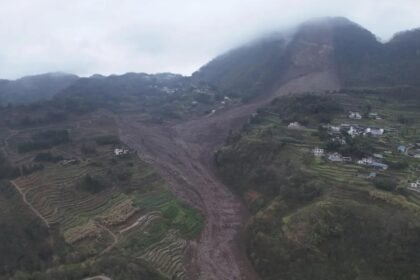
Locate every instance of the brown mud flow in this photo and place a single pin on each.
(182, 154)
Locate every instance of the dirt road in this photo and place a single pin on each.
(36, 212)
(183, 152)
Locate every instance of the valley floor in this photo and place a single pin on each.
(182, 153)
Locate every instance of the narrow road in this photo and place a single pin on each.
(182, 153)
(99, 277)
(114, 239)
(29, 204)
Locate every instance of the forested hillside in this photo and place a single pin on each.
(322, 216)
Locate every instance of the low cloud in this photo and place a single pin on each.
(107, 36)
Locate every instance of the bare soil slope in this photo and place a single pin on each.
(182, 153)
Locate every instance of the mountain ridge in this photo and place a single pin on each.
(335, 43)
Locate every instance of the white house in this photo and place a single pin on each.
(318, 152)
(335, 157)
(365, 161)
(353, 131)
(374, 116)
(295, 125)
(120, 152)
(374, 131)
(355, 116)
(415, 185)
(334, 129)
(371, 163)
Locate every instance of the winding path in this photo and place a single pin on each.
(36, 212)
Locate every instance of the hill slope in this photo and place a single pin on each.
(34, 88)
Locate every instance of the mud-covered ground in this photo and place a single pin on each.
(182, 153)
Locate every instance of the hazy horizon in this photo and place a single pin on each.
(104, 37)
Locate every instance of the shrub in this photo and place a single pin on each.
(47, 157)
(385, 184)
(107, 140)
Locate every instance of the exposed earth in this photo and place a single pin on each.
(182, 154)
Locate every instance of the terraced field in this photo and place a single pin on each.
(53, 194)
(167, 256)
(103, 204)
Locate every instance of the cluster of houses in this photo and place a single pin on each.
(338, 158)
(358, 116)
(355, 130)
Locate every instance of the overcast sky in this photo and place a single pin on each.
(117, 36)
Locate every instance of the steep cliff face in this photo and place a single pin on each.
(336, 45)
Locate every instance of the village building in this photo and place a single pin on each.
(345, 126)
(365, 161)
(414, 186)
(334, 129)
(379, 165)
(121, 152)
(415, 153)
(318, 152)
(335, 157)
(355, 116)
(347, 159)
(372, 163)
(374, 116)
(402, 149)
(354, 131)
(374, 131)
(295, 125)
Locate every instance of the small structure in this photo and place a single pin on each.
(121, 152)
(372, 175)
(365, 161)
(295, 125)
(371, 163)
(354, 131)
(347, 159)
(414, 186)
(334, 129)
(374, 116)
(415, 153)
(355, 116)
(378, 156)
(402, 149)
(335, 157)
(374, 131)
(379, 165)
(318, 152)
